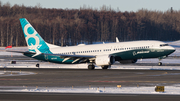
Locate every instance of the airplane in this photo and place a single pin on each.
(103, 55)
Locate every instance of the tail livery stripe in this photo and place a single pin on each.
(33, 39)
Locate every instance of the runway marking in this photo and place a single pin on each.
(136, 81)
(108, 81)
(135, 76)
(12, 79)
(141, 75)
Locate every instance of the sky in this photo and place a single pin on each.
(122, 5)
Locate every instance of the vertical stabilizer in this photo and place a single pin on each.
(34, 41)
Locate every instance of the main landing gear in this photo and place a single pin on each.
(105, 67)
(91, 67)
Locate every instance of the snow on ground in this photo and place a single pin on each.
(170, 90)
(166, 64)
(152, 65)
(84, 66)
(177, 43)
(14, 73)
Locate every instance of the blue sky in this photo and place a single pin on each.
(123, 5)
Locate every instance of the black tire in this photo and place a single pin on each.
(105, 67)
(160, 64)
(134, 61)
(13, 62)
(37, 65)
(91, 67)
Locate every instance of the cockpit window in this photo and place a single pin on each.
(164, 45)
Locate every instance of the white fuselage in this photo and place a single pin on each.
(109, 48)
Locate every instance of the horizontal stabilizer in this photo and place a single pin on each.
(27, 52)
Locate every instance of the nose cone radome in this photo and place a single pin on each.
(171, 49)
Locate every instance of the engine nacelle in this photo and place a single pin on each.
(104, 60)
(128, 61)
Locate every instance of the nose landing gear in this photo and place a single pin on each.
(160, 58)
(160, 64)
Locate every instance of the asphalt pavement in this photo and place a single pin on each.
(85, 78)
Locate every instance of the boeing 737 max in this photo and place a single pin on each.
(103, 55)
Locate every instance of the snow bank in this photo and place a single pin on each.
(14, 73)
(170, 90)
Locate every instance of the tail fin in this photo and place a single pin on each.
(34, 41)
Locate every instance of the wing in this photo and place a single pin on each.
(27, 52)
(76, 58)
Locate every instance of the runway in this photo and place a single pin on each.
(84, 97)
(84, 78)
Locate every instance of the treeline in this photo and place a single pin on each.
(86, 25)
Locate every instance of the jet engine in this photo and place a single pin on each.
(104, 60)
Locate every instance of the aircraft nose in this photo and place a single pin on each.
(169, 50)
(172, 49)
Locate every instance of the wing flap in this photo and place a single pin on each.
(76, 58)
(72, 56)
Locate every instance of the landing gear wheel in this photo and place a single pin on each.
(37, 65)
(105, 67)
(160, 64)
(134, 61)
(91, 67)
